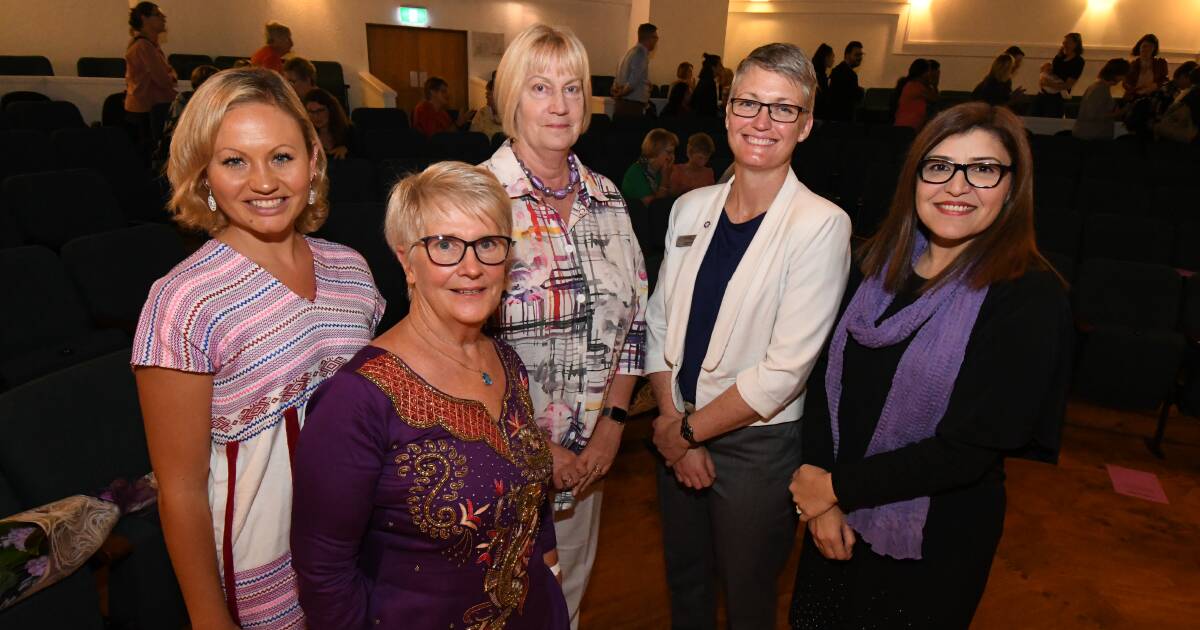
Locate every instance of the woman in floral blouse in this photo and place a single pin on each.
(574, 309)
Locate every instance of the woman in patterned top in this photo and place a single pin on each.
(575, 304)
(233, 341)
(422, 481)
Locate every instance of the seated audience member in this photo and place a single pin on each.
(681, 89)
(199, 75)
(1148, 71)
(1058, 78)
(487, 120)
(844, 92)
(914, 92)
(1097, 109)
(301, 73)
(649, 178)
(330, 121)
(695, 173)
(149, 79)
(430, 115)
(705, 98)
(996, 87)
(1172, 90)
(433, 395)
(1181, 121)
(279, 43)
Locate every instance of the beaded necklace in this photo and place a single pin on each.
(572, 180)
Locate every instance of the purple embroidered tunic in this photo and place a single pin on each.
(414, 509)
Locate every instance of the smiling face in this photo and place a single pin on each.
(466, 293)
(550, 110)
(760, 143)
(260, 170)
(956, 212)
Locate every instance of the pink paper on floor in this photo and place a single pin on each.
(1136, 483)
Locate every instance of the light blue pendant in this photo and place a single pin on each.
(487, 378)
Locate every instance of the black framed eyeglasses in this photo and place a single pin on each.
(447, 251)
(978, 174)
(779, 112)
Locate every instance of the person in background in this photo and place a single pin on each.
(575, 304)
(704, 99)
(996, 87)
(631, 86)
(952, 352)
(431, 397)
(695, 173)
(1097, 109)
(279, 43)
(199, 75)
(149, 79)
(914, 93)
(301, 73)
(1055, 86)
(329, 119)
(680, 92)
(844, 91)
(1148, 71)
(935, 75)
(232, 342)
(430, 116)
(823, 61)
(685, 73)
(649, 178)
(749, 287)
(487, 120)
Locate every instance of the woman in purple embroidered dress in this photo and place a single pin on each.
(952, 352)
(422, 482)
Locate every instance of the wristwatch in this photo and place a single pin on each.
(685, 430)
(616, 414)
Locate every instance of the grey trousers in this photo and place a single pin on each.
(737, 533)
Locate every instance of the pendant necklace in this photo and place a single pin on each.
(483, 374)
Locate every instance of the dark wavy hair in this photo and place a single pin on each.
(1148, 37)
(139, 12)
(339, 126)
(1006, 250)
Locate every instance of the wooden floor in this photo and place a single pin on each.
(1074, 553)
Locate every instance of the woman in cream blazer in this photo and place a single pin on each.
(748, 291)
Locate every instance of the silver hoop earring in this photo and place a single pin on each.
(212, 202)
(312, 196)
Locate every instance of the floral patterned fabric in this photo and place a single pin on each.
(575, 305)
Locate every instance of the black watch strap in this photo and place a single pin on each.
(616, 414)
(685, 430)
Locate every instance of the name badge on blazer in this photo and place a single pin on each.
(685, 241)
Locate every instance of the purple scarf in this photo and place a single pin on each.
(942, 320)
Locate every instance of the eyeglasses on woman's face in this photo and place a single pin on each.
(978, 174)
(447, 251)
(779, 112)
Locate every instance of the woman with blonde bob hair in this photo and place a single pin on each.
(951, 353)
(233, 341)
(432, 397)
(574, 310)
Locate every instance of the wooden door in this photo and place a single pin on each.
(403, 57)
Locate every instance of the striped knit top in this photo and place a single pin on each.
(267, 349)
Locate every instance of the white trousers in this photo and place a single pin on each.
(577, 530)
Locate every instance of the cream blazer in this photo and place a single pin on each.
(778, 307)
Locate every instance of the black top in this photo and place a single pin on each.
(993, 92)
(1067, 68)
(704, 97)
(725, 251)
(844, 92)
(1008, 400)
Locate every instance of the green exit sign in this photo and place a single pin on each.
(413, 16)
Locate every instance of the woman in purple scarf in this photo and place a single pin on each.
(951, 353)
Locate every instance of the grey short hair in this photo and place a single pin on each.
(782, 59)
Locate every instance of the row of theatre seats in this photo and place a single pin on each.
(83, 235)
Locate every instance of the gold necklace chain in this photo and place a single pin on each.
(483, 374)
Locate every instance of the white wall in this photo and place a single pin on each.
(964, 35)
(686, 30)
(65, 30)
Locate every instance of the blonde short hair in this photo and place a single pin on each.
(273, 30)
(535, 50)
(196, 133)
(657, 141)
(442, 190)
(701, 142)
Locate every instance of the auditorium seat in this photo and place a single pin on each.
(1137, 239)
(185, 63)
(112, 67)
(1185, 394)
(1110, 195)
(1058, 155)
(44, 116)
(1056, 191)
(113, 271)
(110, 152)
(360, 226)
(1058, 229)
(54, 207)
(352, 180)
(876, 106)
(71, 604)
(390, 171)
(26, 65)
(370, 118)
(602, 85)
(382, 144)
(1062, 263)
(21, 95)
(46, 326)
(332, 80)
(1186, 253)
(471, 147)
(24, 151)
(225, 62)
(1131, 350)
(112, 113)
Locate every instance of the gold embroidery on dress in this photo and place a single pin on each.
(438, 471)
(506, 581)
